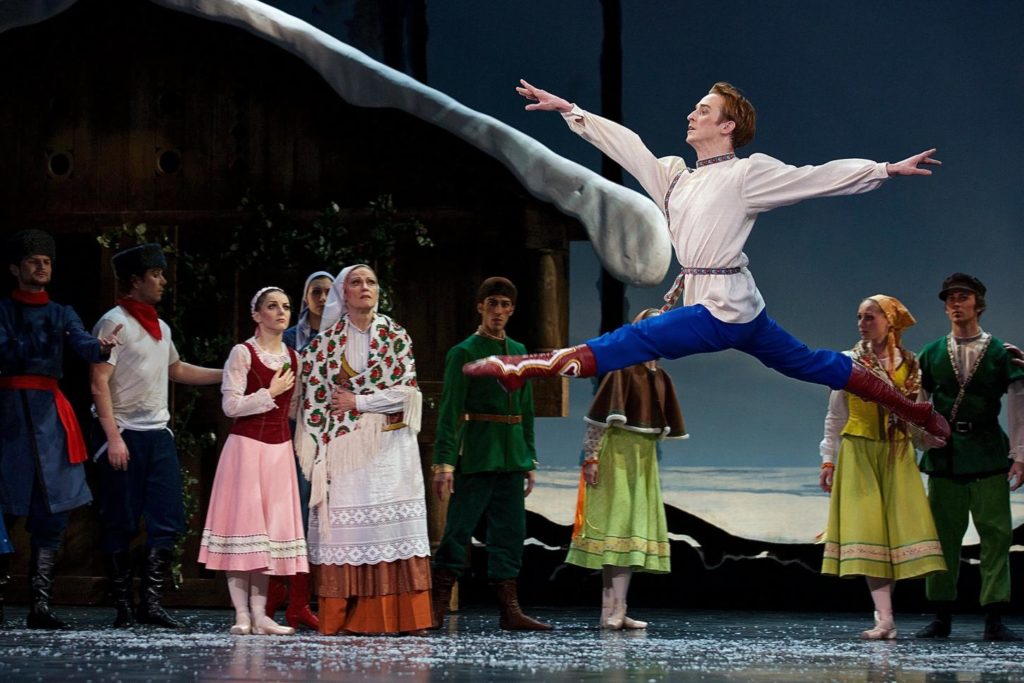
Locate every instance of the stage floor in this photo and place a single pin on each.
(678, 646)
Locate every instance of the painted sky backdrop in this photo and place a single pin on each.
(877, 80)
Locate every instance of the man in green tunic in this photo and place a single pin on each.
(966, 373)
(483, 454)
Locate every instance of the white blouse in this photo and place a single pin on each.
(234, 401)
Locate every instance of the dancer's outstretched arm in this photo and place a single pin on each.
(618, 142)
(910, 165)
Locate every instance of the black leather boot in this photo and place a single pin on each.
(121, 589)
(994, 627)
(5, 578)
(158, 562)
(941, 625)
(42, 566)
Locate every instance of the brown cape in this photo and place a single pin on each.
(640, 400)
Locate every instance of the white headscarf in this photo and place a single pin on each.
(302, 329)
(336, 308)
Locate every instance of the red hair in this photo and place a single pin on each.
(739, 110)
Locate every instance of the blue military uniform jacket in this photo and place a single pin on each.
(32, 439)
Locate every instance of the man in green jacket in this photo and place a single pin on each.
(966, 373)
(484, 458)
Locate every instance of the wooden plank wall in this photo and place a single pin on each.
(126, 113)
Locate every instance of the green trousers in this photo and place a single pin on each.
(497, 497)
(987, 500)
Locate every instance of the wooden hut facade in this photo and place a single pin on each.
(129, 113)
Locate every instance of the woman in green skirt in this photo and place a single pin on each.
(620, 518)
(879, 522)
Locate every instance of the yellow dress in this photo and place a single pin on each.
(879, 522)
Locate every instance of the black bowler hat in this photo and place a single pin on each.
(137, 260)
(29, 242)
(967, 283)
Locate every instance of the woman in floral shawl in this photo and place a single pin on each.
(356, 443)
(879, 522)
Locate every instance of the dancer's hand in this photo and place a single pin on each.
(117, 454)
(1016, 475)
(342, 402)
(444, 482)
(531, 479)
(909, 165)
(930, 441)
(107, 343)
(1018, 355)
(590, 473)
(545, 101)
(282, 381)
(825, 479)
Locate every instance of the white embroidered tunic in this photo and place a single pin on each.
(712, 209)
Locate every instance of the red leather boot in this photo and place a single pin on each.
(513, 371)
(298, 612)
(277, 594)
(870, 387)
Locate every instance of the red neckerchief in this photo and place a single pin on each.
(144, 313)
(40, 298)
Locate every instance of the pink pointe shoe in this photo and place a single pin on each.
(265, 626)
(631, 624)
(243, 625)
(883, 630)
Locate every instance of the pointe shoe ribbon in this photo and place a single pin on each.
(513, 371)
(616, 618)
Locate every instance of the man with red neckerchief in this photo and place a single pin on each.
(41, 445)
(135, 453)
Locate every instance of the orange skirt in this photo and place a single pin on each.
(400, 613)
(389, 597)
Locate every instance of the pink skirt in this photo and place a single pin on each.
(253, 522)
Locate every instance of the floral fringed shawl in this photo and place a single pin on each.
(328, 446)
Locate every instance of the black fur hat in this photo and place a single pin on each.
(137, 260)
(28, 243)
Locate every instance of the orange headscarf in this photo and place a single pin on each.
(896, 314)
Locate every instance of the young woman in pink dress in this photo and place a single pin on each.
(253, 526)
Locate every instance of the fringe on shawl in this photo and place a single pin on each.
(353, 451)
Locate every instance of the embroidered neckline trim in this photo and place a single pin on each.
(483, 333)
(715, 160)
